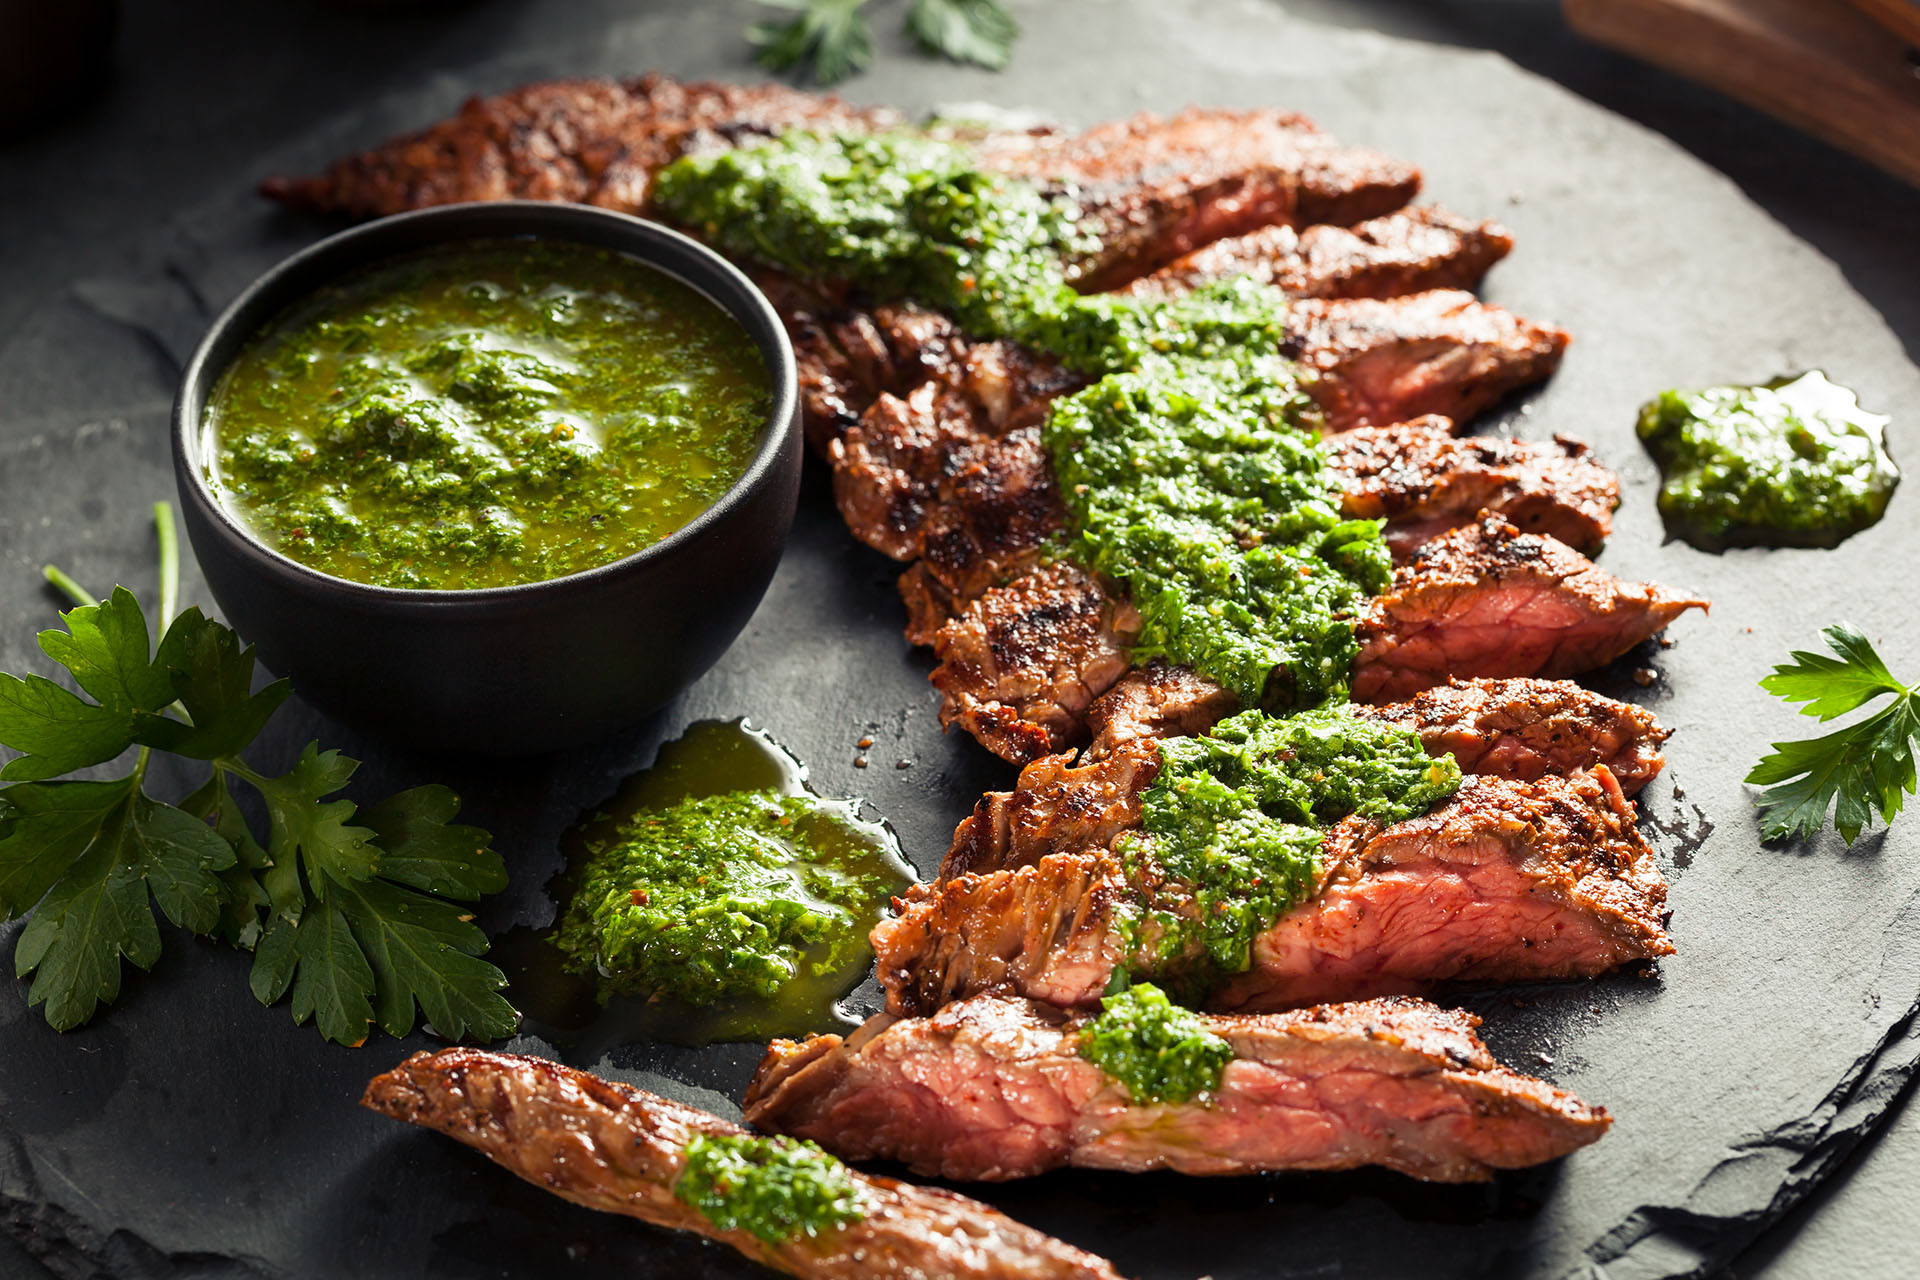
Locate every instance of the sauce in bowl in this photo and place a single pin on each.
(486, 414)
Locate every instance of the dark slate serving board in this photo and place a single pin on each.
(189, 1132)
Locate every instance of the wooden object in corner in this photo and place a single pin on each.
(1821, 65)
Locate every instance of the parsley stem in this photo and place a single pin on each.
(68, 587)
(169, 562)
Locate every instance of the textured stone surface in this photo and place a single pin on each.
(191, 1133)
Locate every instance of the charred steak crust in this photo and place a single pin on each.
(1405, 252)
(586, 141)
(619, 1149)
(1507, 881)
(1423, 480)
(993, 1088)
(1489, 600)
(1524, 729)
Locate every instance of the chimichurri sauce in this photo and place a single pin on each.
(1795, 462)
(713, 898)
(776, 1188)
(486, 414)
(1159, 1051)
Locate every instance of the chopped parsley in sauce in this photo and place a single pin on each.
(1234, 821)
(486, 414)
(1795, 462)
(773, 1188)
(1159, 1051)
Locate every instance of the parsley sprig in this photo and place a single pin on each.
(359, 913)
(832, 40)
(1857, 771)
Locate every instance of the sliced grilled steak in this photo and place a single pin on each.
(1405, 252)
(993, 1088)
(1021, 665)
(1488, 600)
(1395, 359)
(1156, 701)
(1506, 882)
(1154, 189)
(1525, 729)
(1056, 808)
(619, 1149)
(1423, 480)
(585, 141)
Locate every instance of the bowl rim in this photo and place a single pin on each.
(640, 238)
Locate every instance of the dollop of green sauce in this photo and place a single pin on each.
(1191, 470)
(1190, 484)
(1158, 1050)
(486, 414)
(723, 896)
(1233, 825)
(774, 1188)
(1795, 462)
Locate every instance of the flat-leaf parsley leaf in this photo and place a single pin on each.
(1857, 771)
(359, 913)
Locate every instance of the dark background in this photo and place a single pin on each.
(201, 86)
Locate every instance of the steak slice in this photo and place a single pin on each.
(1019, 667)
(1489, 600)
(1055, 808)
(1506, 882)
(585, 141)
(1153, 189)
(1158, 700)
(619, 1149)
(993, 1088)
(1405, 252)
(1525, 729)
(1423, 480)
(1395, 359)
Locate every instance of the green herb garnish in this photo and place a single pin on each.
(775, 1188)
(830, 39)
(1158, 1050)
(1865, 768)
(353, 911)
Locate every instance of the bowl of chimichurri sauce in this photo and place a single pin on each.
(500, 477)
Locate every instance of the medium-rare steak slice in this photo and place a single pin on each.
(1395, 359)
(1525, 729)
(1019, 667)
(1156, 701)
(1506, 882)
(1489, 600)
(1406, 252)
(585, 141)
(993, 1088)
(1153, 189)
(621, 1150)
(1423, 480)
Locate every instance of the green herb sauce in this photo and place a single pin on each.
(1158, 1050)
(1190, 484)
(715, 898)
(1191, 472)
(486, 414)
(1233, 824)
(774, 1188)
(1795, 462)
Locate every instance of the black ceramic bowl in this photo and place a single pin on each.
(506, 670)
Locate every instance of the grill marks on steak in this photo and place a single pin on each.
(1525, 729)
(585, 141)
(1020, 666)
(1391, 360)
(1055, 808)
(1489, 600)
(1405, 252)
(993, 1088)
(1423, 480)
(1154, 189)
(619, 1149)
(1507, 881)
